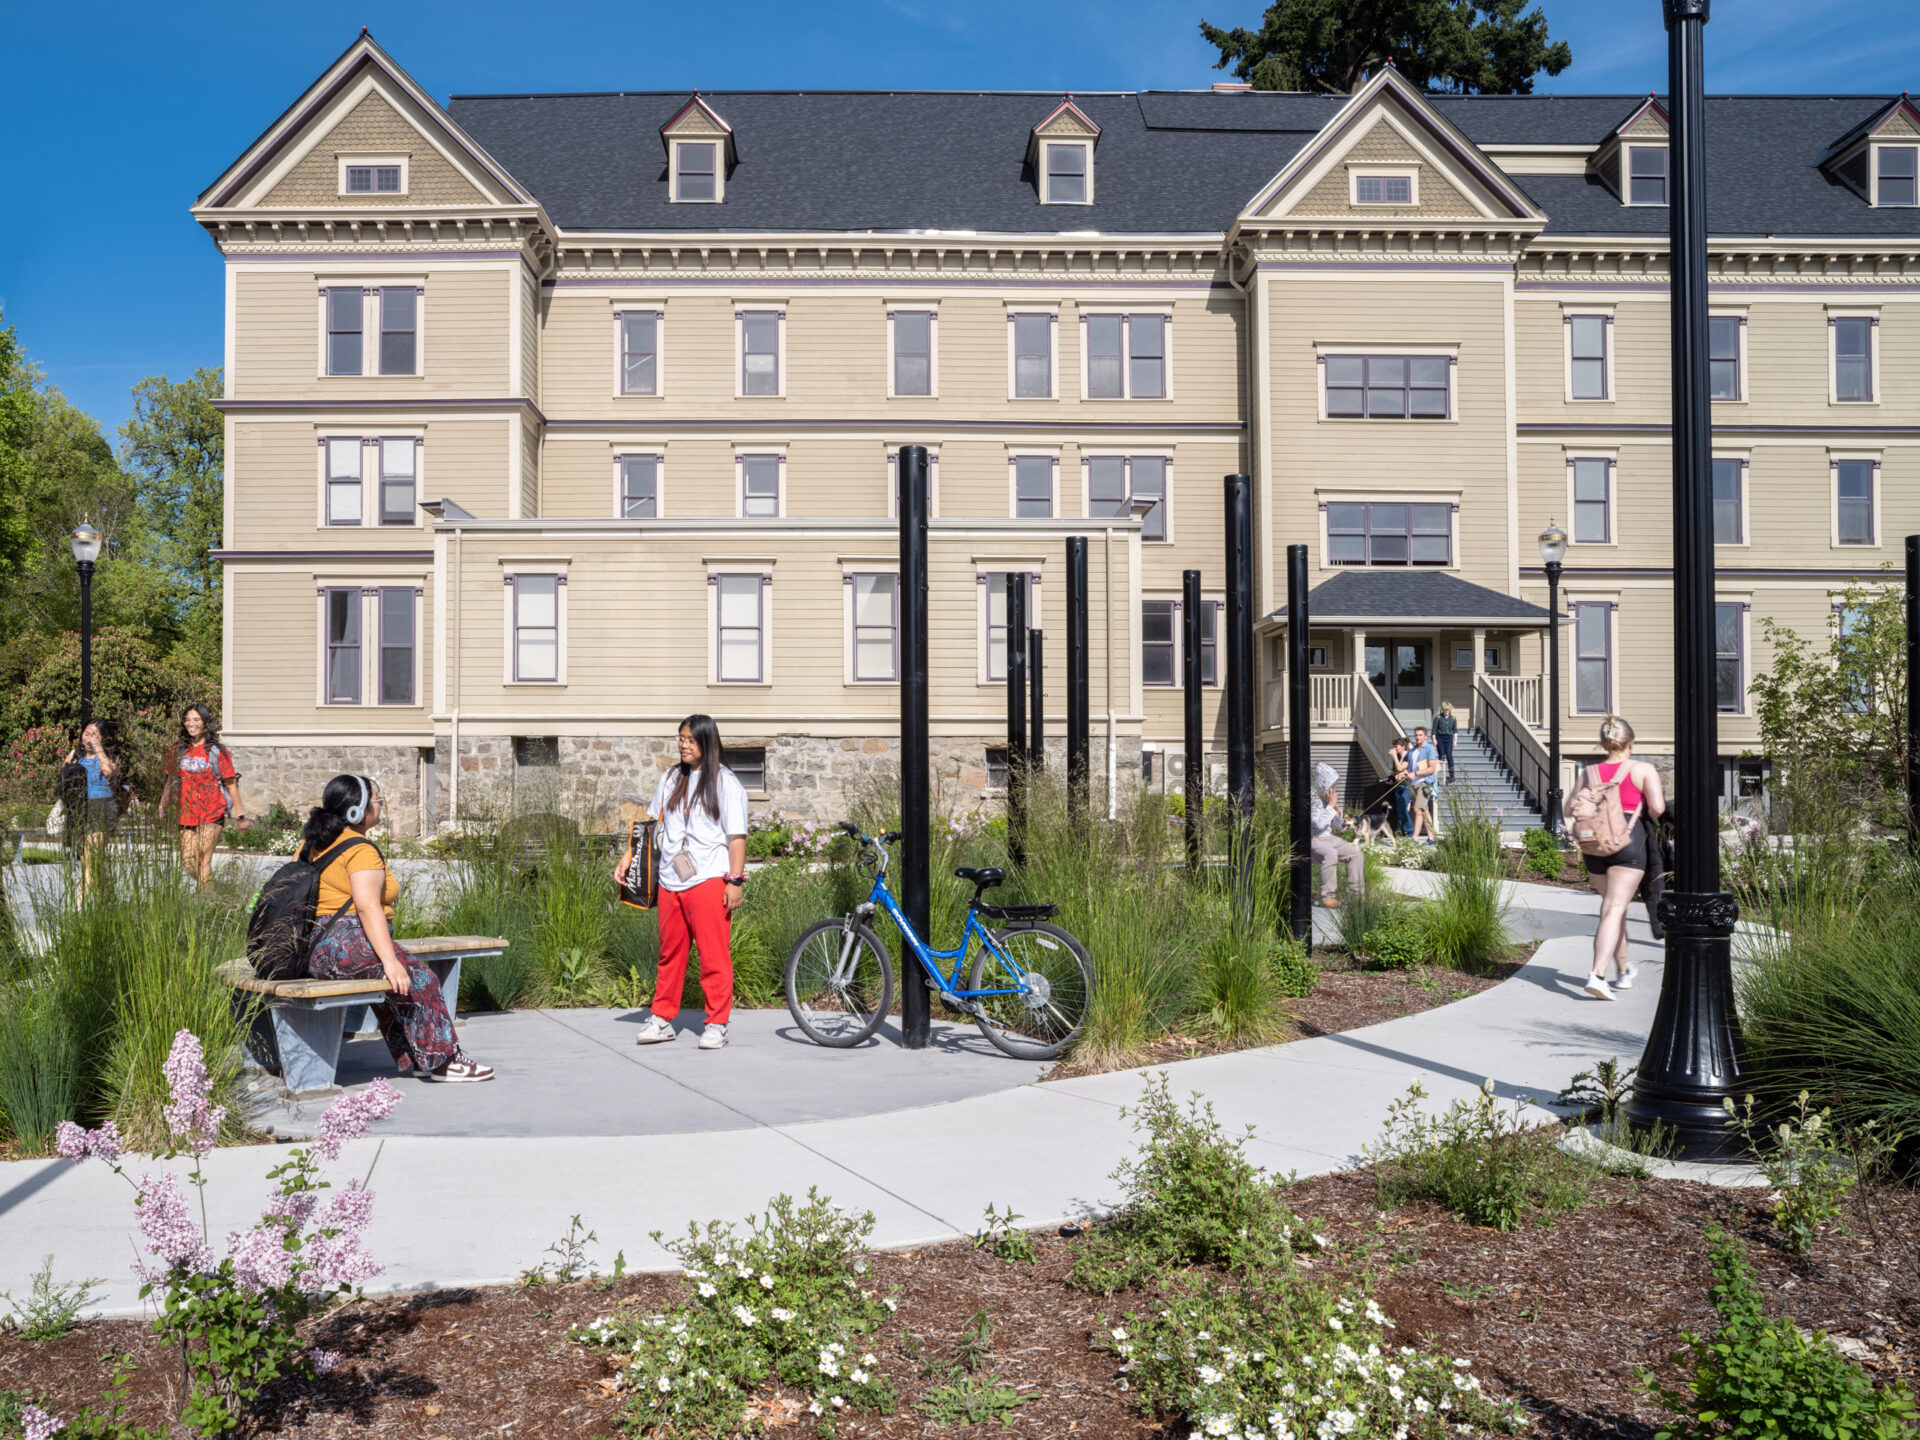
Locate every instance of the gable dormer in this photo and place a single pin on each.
(1633, 160)
(1879, 159)
(1060, 152)
(700, 154)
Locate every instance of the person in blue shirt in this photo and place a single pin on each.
(1423, 763)
(92, 814)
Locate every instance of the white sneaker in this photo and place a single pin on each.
(713, 1037)
(656, 1031)
(1624, 980)
(1597, 987)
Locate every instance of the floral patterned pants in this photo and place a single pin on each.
(417, 1026)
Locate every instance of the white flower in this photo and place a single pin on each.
(891, 1304)
(766, 1282)
(859, 1377)
(816, 1408)
(1119, 1333)
(782, 1315)
(664, 1384)
(746, 1272)
(744, 1315)
(1460, 1363)
(1420, 1404)
(1321, 1241)
(838, 1402)
(1210, 1376)
(1219, 1424)
(869, 1359)
(1333, 1323)
(707, 1292)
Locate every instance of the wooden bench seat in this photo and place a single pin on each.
(299, 1030)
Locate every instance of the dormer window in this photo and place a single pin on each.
(1384, 188)
(1896, 175)
(373, 175)
(1646, 174)
(1069, 173)
(696, 171)
(699, 153)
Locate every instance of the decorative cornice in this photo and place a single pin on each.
(751, 257)
(481, 231)
(229, 557)
(332, 406)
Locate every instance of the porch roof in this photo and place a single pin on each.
(1364, 597)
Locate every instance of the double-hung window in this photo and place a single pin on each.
(396, 645)
(1852, 357)
(1126, 357)
(1729, 501)
(346, 330)
(1592, 501)
(1646, 174)
(912, 352)
(1723, 356)
(1853, 660)
(760, 487)
(1853, 501)
(995, 587)
(696, 171)
(640, 352)
(341, 609)
(1587, 337)
(876, 626)
(739, 614)
(399, 330)
(1389, 534)
(1388, 387)
(1116, 482)
(639, 487)
(536, 628)
(1032, 356)
(1033, 487)
(1593, 657)
(397, 480)
(1896, 175)
(760, 352)
(1729, 657)
(1157, 650)
(344, 505)
(1067, 179)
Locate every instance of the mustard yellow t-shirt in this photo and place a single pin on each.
(335, 877)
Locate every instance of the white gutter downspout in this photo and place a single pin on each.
(453, 681)
(1113, 774)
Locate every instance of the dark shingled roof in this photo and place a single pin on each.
(1180, 162)
(1403, 595)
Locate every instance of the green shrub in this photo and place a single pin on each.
(1397, 942)
(1464, 922)
(1757, 1378)
(1811, 1166)
(51, 1309)
(1481, 1162)
(1546, 857)
(40, 1074)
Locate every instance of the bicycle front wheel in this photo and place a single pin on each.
(1051, 990)
(839, 983)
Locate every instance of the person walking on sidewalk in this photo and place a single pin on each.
(1423, 764)
(1445, 726)
(202, 768)
(702, 810)
(1617, 876)
(354, 929)
(1328, 848)
(94, 792)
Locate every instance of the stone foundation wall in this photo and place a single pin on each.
(294, 776)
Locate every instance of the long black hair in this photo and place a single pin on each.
(109, 738)
(209, 735)
(706, 735)
(327, 821)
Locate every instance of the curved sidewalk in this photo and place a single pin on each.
(463, 1210)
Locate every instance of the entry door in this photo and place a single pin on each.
(1400, 672)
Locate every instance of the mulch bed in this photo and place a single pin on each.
(1559, 1317)
(1573, 874)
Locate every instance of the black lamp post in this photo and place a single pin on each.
(1695, 1061)
(1553, 549)
(86, 553)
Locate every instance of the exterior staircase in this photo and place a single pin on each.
(1481, 774)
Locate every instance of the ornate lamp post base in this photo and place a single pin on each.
(1694, 1059)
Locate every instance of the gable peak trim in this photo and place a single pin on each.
(1067, 108)
(694, 102)
(1652, 102)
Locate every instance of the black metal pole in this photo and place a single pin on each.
(1299, 750)
(916, 894)
(1240, 682)
(1078, 742)
(1552, 818)
(1017, 719)
(1037, 701)
(1193, 785)
(86, 642)
(1694, 1060)
(1913, 690)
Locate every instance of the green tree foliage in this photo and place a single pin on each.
(1486, 47)
(174, 445)
(1833, 712)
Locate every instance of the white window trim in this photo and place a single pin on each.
(1449, 498)
(1126, 314)
(757, 452)
(851, 566)
(1612, 459)
(659, 454)
(1570, 652)
(1408, 170)
(893, 481)
(931, 309)
(1744, 458)
(1129, 454)
(357, 161)
(984, 570)
(1324, 352)
(719, 144)
(1870, 457)
(741, 309)
(1035, 452)
(1177, 598)
(1568, 314)
(1626, 172)
(1719, 312)
(1745, 601)
(764, 569)
(1052, 312)
(368, 587)
(1046, 195)
(369, 438)
(370, 326)
(1870, 314)
(1907, 142)
(1499, 648)
(659, 309)
(511, 568)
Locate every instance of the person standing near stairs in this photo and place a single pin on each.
(1423, 763)
(1445, 726)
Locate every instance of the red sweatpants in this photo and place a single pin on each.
(698, 915)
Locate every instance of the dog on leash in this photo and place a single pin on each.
(1373, 827)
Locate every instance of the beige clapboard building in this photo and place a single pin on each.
(554, 418)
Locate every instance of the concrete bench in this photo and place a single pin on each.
(309, 1019)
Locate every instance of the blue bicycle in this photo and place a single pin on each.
(1029, 983)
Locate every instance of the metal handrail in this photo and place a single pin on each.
(1513, 741)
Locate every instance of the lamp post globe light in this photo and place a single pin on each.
(1553, 550)
(85, 541)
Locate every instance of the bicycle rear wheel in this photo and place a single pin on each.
(839, 983)
(1056, 990)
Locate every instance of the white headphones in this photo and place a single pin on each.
(357, 813)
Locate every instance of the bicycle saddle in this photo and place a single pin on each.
(984, 879)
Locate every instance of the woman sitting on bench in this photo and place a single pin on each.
(358, 944)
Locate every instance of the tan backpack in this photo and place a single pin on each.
(1595, 818)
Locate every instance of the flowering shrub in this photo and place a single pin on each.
(1295, 1361)
(1810, 1165)
(785, 1299)
(31, 761)
(1412, 854)
(235, 1316)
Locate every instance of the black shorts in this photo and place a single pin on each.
(1636, 854)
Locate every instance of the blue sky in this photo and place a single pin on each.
(121, 114)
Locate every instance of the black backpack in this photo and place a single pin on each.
(280, 930)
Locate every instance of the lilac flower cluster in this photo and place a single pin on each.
(39, 1424)
(78, 1144)
(349, 1117)
(192, 1119)
(173, 1236)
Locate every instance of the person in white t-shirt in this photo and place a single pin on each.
(701, 807)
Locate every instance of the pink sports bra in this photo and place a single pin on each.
(1630, 796)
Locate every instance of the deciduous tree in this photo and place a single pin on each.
(174, 445)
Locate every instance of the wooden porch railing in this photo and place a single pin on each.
(1525, 696)
(1330, 698)
(1374, 725)
(1512, 739)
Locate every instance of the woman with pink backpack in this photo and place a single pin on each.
(1610, 820)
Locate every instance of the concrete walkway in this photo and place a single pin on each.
(654, 1140)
